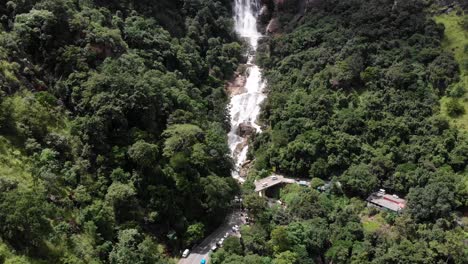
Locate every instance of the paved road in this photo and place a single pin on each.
(203, 249)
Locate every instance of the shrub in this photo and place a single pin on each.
(455, 108)
(457, 91)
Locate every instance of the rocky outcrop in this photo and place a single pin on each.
(273, 27)
(237, 84)
(265, 15)
(246, 129)
(244, 169)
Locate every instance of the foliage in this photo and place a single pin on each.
(113, 124)
(24, 217)
(455, 42)
(134, 248)
(232, 245)
(354, 100)
(455, 108)
(345, 105)
(113, 127)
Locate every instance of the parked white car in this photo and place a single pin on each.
(214, 248)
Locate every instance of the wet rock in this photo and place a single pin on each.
(244, 170)
(273, 27)
(264, 15)
(236, 85)
(240, 146)
(246, 129)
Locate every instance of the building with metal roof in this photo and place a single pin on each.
(386, 201)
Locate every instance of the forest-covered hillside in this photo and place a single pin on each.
(113, 131)
(354, 99)
(112, 128)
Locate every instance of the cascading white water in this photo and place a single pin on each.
(245, 107)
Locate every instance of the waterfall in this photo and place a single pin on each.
(245, 20)
(245, 107)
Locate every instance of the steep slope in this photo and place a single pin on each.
(113, 128)
(455, 103)
(353, 104)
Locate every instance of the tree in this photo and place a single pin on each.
(454, 107)
(101, 214)
(232, 245)
(305, 205)
(457, 90)
(359, 180)
(407, 252)
(286, 257)
(122, 198)
(133, 247)
(35, 30)
(25, 218)
(219, 256)
(464, 23)
(254, 239)
(47, 168)
(144, 154)
(443, 71)
(119, 193)
(340, 251)
(280, 240)
(316, 182)
(181, 138)
(431, 202)
(195, 233)
(313, 234)
(219, 192)
(255, 204)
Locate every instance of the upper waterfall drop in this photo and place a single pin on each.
(246, 20)
(244, 108)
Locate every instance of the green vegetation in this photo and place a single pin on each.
(13, 164)
(113, 124)
(456, 41)
(354, 91)
(113, 128)
(372, 224)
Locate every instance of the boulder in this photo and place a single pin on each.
(264, 15)
(236, 85)
(246, 129)
(273, 27)
(244, 169)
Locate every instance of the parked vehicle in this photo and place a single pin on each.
(214, 248)
(203, 261)
(186, 253)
